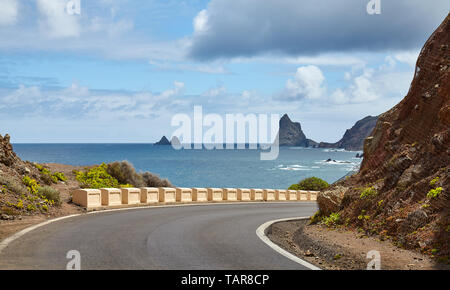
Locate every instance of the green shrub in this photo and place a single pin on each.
(126, 175)
(31, 184)
(317, 217)
(13, 185)
(331, 220)
(59, 176)
(433, 193)
(368, 192)
(294, 187)
(97, 177)
(313, 183)
(50, 194)
(433, 181)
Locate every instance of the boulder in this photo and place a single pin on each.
(329, 201)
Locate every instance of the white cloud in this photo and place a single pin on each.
(306, 84)
(8, 12)
(200, 22)
(176, 91)
(112, 28)
(362, 89)
(56, 21)
(409, 57)
(214, 92)
(79, 101)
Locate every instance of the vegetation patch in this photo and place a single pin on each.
(118, 174)
(50, 194)
(331, 220)
(368, 192)
(311, 183)
(433, 193)
(96, 177)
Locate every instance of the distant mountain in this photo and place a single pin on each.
(163, 141)
(291, 134)
(353, 139)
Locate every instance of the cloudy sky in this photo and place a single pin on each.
(119, 70)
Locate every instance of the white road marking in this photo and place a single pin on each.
(261, 233)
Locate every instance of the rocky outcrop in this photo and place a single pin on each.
(402, 188)
(163, 141)
(291, 134)
(329, 201)
(7, 155)
(353, 139)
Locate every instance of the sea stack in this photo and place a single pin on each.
(291, 134)
(163, 142)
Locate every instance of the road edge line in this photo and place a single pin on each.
(261, 233)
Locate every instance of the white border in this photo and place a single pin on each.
(261, 233)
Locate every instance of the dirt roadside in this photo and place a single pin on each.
(339, 249)
(9, 227)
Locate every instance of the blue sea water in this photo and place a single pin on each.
(203, 168)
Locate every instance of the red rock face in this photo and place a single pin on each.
(407, 150)
(424, 114)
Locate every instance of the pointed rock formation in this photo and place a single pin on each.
(163, 141)
(291, 134)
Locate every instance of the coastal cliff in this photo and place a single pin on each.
(353, 139)
(291, 134)
(402, 189)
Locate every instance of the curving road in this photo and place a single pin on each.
(212, 237)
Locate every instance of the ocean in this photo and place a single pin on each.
(204, 168)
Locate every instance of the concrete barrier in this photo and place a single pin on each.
(215, 194)
(167, 194)
(281, 194)
(257, 194)
(88, 198)
(243, 194)
(184, 194)
(303, 195)
(92, 198)
(111, 196)
(230, 194)
(292, 195)
(149, 195)
(131, 196)
(269, 194)
(199, 194)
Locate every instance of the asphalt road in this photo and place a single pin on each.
(203, 237)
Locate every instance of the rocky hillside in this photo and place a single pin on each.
(26, 188)
(291, 134)
(353, 139)
(402, 189)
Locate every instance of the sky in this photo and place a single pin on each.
(117, 71)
